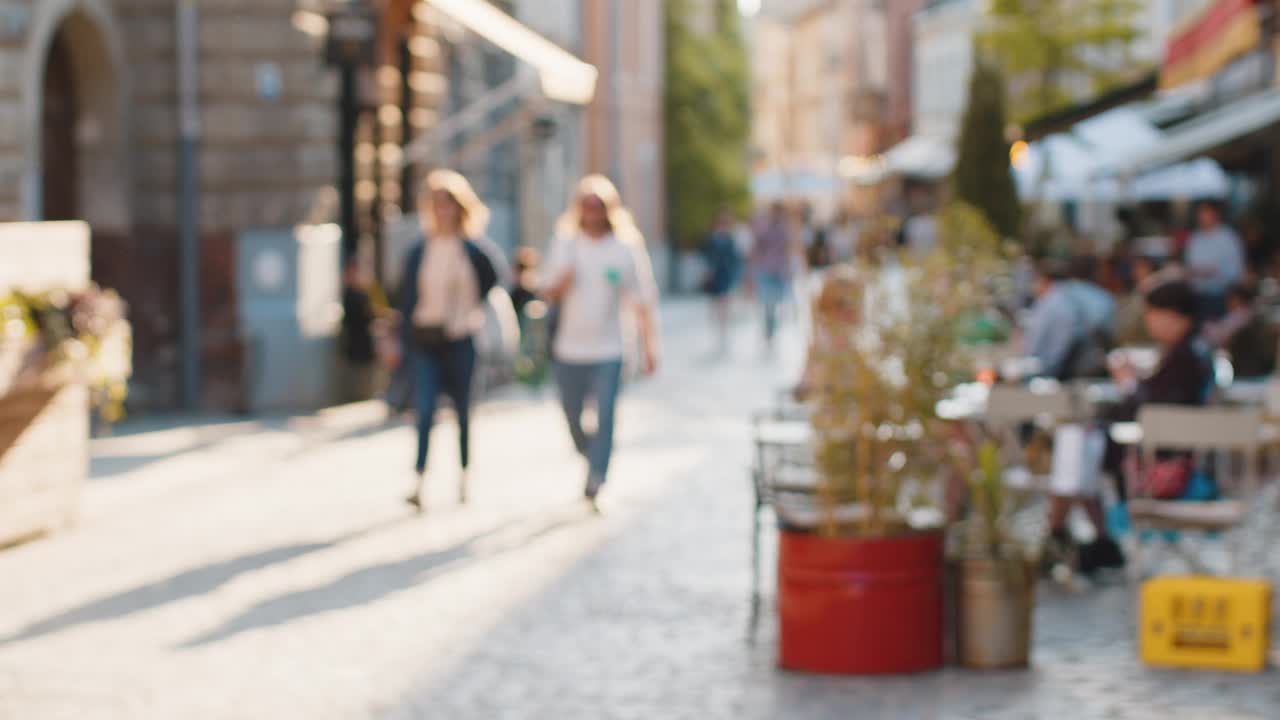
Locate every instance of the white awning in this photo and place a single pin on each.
(1055, 168)
(1122, 129)
(1204, 133)
(1199, 178)
(563, 77)
(921, 156)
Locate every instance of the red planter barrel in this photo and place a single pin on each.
(860, 606)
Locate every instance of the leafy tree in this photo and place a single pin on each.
(1048, 47)
(707, 120)
(983, 177)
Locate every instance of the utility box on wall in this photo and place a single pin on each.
(290, 294)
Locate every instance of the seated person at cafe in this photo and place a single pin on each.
(1054, 323)
(1093, 301)
(1096, 309)
(1182, 377)
(1244, 334)
(1131, 303)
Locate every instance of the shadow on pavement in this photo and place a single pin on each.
(163, 439)
(187, 584)
(370, 584)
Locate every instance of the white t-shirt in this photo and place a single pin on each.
(608, 274)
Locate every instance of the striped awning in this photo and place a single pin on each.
(1225, 30)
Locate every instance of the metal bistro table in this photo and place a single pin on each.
(782, 438)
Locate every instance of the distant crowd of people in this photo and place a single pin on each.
(1086, 306)
(1199, 299)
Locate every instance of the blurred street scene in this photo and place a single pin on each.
(612, 358)
(258, 570)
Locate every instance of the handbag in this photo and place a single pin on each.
(1167, 479)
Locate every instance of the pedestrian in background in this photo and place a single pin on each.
(842, 240)
(1054, 324)
(599, 274)
(771, 265)
(525, 288)
(720, 251)
(446, 278)
(357, 332)
(1214, 259)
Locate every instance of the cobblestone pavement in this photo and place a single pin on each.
(269, 570)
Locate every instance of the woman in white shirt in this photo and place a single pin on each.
(446, 277)
(598, 275)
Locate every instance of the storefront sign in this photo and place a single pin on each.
(1226, 30)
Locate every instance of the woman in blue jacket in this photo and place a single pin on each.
(446, 278)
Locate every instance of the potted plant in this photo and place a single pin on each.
(997, 574)
(860, 571)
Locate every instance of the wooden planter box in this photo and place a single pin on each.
(44, 459)
(44, 422)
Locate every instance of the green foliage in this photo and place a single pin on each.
(1046, 44)
(983, 177)
(71, 337)
(885, 352)
(707, 121)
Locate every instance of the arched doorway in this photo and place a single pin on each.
(60, 192)
(75, 127)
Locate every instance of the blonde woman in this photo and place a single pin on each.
(446, 278)
(597, 272)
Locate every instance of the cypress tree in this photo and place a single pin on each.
(983, 177)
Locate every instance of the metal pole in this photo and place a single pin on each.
(188, 59)
(408, 191)
(346, 158)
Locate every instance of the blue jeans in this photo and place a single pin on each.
(772, 289)
(448, 370)
(579, 382)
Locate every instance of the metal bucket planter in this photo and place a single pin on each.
(853, 605)
(996, 599)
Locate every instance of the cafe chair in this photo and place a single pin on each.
(1226, 439)
(1010, 408)
(782, 467)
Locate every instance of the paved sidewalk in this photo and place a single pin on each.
(272, 571)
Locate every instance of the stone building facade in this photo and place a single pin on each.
(821, 70)
(622, 134)
(89, 128)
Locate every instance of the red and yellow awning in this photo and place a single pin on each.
(1226, 30)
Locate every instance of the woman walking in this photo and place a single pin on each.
(446, 277)
(598, 270)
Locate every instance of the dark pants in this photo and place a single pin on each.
(448, 370)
